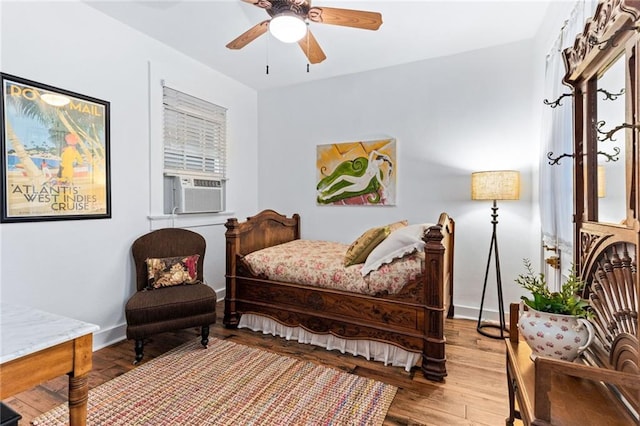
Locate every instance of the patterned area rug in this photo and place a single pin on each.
(232, 384)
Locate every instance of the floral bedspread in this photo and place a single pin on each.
(320, 264)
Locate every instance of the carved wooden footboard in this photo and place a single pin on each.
(412, 319)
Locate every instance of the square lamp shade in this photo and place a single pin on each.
(495, 185)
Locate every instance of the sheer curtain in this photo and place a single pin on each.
(556, 181)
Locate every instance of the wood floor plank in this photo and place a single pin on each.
(23, 408)
(40, 399)
(473, 393)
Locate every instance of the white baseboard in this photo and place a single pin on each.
(107, 337)
(471, 313)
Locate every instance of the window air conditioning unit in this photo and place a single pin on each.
(188, 194)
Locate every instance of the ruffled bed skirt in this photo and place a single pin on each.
(383, 352)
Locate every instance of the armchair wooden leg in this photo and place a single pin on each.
(139, 347)
(205, 335)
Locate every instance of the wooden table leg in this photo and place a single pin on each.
(78, 397)
(79, 380)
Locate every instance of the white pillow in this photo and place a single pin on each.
(399, 243)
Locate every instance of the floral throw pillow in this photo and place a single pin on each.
(170, 271)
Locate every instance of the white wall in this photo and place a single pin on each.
(450, 116)
(83, 268)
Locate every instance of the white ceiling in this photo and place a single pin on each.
(411, 31)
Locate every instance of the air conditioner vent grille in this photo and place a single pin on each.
(207, 183)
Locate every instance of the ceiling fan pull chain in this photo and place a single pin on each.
(268, 55)
(308, 37)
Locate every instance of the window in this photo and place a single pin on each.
(195, 134)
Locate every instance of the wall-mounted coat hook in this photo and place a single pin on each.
(609, 157)
(608, 96)
(553, 161)
(609, 135)
(557, 101)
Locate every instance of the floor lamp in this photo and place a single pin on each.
(494, 185)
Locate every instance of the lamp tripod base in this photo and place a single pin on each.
(500, 332)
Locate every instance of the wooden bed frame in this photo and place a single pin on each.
(412, 320)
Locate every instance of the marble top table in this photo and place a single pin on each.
(36, 346)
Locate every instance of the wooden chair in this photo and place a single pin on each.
(158, 310)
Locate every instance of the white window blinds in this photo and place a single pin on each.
(195, 134)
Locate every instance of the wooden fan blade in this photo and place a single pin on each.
(250, 35)
(312, 49)
(346, 17)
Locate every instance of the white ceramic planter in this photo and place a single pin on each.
(553, 335)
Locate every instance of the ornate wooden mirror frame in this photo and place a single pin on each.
(609, 37)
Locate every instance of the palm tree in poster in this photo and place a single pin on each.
(29, 166)
(84, 120)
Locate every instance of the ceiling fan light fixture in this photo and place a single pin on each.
(288, 28)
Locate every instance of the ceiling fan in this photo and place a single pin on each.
(297, 13)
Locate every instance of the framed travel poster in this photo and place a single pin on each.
(55, 153)
(357, 173)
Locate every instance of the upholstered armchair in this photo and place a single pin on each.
(171, 294)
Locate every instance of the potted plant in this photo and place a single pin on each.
(554, 324)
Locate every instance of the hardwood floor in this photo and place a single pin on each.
(474, 393)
